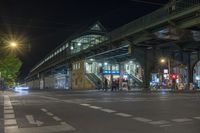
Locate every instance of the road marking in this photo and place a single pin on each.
(10, 128)
(56, 118)
(198, 118)
(51, 98)
(181, 120)
(10, 122)
(95, 107)
(108, 110)
(44, 110)
(9, 116)
(84, 104)
(165, 125)
(31, 120)
(123, 115)
(63, 123)
(45, 129)
(141, 119)
(161, 122)
(8, 107)
(48, 113)
(7, 103)
(8, 111)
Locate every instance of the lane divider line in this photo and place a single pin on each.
(141, 119)
(48, 113)
(166, 125)
(181, 120)
(56, 118)
(95, 107)
(198, 118)
(108, 110)
(84, 104)
(161, 122)
(44, 110)
(123, 114)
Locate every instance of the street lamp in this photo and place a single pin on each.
(166, 60)
(162, 60)
(13, 45)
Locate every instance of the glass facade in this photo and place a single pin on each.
(130, 72)
(85, 42)
(93, 37)
(196, 75)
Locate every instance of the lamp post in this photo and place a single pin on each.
(164, 61)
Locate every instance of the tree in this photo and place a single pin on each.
(9, 63)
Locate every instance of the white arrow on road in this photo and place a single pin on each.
(32, 121)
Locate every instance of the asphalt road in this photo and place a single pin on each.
(99, 112)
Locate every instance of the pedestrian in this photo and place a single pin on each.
(113, 85)
(117, 84)
(106, 84)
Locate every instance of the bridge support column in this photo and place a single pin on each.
(190, 72)
(41, 82)
(146, 71)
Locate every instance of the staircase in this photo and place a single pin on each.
(136, 81)
(96, 81)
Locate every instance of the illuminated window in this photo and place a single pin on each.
(79, 65)
(74, 66)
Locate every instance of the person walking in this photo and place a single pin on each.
(113, 86)
(106, 84)
(117, 84)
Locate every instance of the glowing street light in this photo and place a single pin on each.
(13, 45)
(166, 61)
(162, 60)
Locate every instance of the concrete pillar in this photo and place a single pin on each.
(146, 71)
(121, 75)
(41, 81)
(111, 74)
(155, 60)
(190, 72)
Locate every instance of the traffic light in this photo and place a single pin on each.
(173, 76)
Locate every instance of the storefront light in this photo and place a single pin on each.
(105, 63)
(197, 78)
(131, 62)
(91, 59)
(100, 64)
(79, 44)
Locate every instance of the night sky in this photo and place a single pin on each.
(44, 24)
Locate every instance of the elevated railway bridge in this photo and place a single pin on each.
(159, 49)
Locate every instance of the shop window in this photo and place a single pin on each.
(74, 66)
(79, 65)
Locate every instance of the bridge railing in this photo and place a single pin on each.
(154, 18)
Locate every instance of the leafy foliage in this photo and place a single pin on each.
(9, 64)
